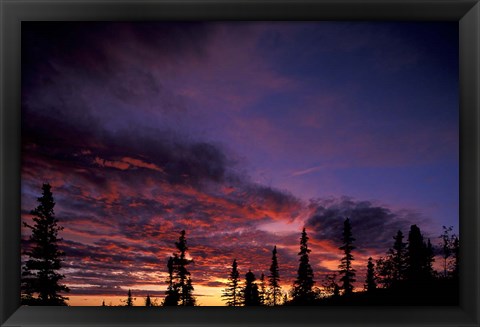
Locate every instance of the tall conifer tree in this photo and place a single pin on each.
(181, 262)
(232, 293)
(129, 301)
(172, 294)
(392, 269)
(370, 281)
(274, 280)
(40, 275)
(416, 255)
(398, 255)
(346, 270)
(302, 291)
(148, 301)
(180, 288)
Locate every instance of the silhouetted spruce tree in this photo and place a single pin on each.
(346, 269)
(232, 293)
(370, 281)
(419, 257)
(172, 294)
(183, 275)
(129, 301)
(103, 303)
(180, 282)
(274, 280)
(40, 278)
(398, 257)
(392, 268)
(263, 290)
(302, 292)
(415, 254)
(250, 292)
(148, 302)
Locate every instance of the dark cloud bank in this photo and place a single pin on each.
(373, 226)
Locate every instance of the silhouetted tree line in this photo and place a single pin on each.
(41, 280)
(405, 275)
(250, 293)
(179, 283)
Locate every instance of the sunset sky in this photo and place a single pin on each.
(241, 133)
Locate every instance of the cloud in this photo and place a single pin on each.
(307, 171)
(126, 163)
(122, 198)
(373, 226)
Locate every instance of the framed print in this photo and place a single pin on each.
(290, 163)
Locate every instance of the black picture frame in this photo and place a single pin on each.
(13, 12)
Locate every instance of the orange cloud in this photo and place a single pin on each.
(126, 163)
